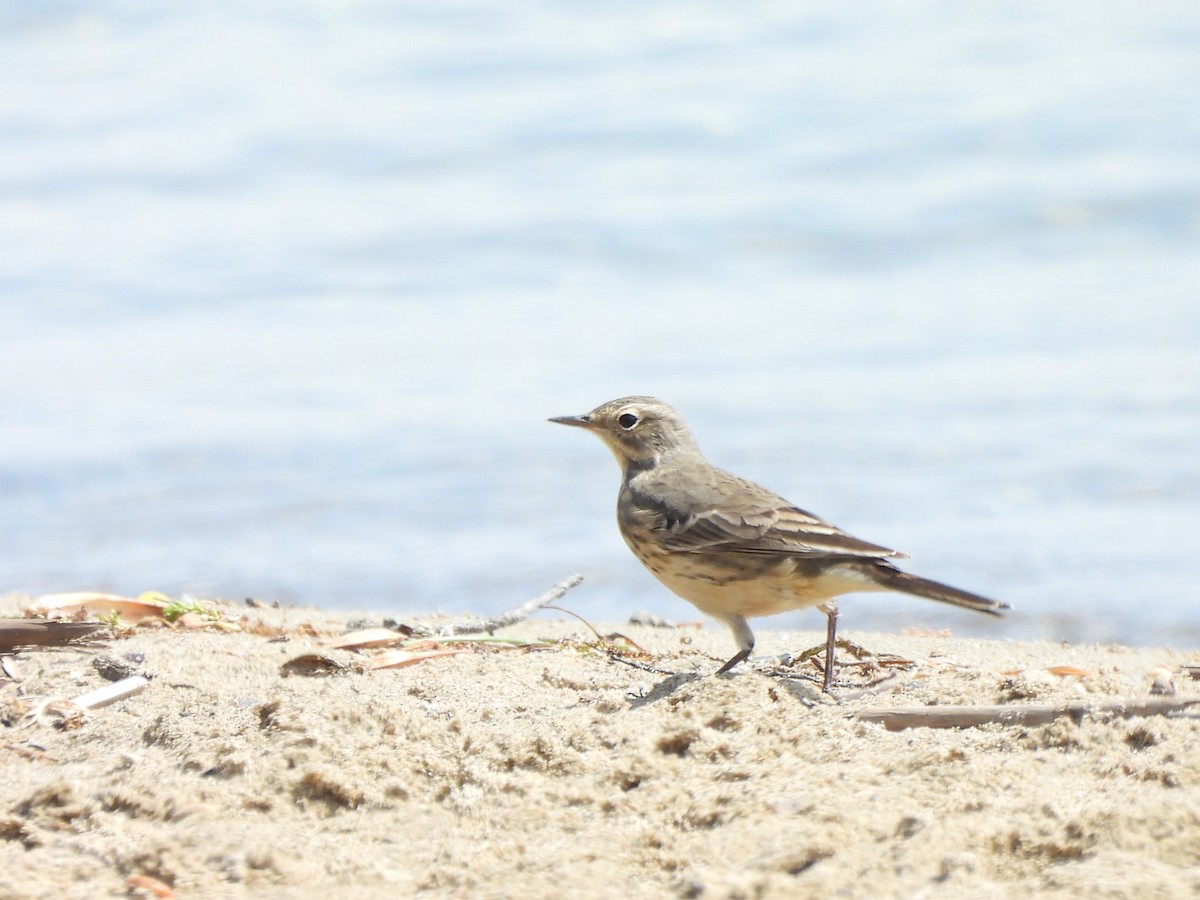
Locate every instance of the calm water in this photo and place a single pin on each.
(287, 293)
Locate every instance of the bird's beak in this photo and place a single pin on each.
(577, 421)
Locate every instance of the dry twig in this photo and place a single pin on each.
(895, 719)
(511, 617)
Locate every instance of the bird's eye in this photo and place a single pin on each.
(627, 420)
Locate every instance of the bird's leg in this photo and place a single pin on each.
(745, 641)
(831, 616)
(737, 658)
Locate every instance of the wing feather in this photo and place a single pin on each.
(732, 515)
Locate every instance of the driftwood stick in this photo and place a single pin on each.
(896, 719)
(512, 616)
(29, 633)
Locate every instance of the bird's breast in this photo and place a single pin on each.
(723, 582)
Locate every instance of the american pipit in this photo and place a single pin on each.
(729, 546)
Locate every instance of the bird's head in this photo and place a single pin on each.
(638, 430)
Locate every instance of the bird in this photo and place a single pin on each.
(731, 547)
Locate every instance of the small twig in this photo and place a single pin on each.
(591, 627)
(645, 667)
(971, 716)
(111, 693)
(887, 683)
(472, 641)
(605, 638)
(512, 616)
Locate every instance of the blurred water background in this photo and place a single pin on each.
(287, 292)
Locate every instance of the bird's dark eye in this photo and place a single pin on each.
(627, 420)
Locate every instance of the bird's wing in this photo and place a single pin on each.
(743, 517)
(787, 530)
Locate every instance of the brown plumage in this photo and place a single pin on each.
(730, 546)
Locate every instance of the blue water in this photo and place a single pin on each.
(287, 293)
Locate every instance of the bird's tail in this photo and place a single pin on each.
(893, 579)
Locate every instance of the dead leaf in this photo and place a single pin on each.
(1065, 671)
(127, 608)
(367, 637)
(193, 620)
(260, 628)
(36, 633)
(310, 664)
(398, 659)
(33, 754)
(148, 884)
(421, 646)
(617, 636)
(65, 714)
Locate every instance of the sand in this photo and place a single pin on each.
(525, 772)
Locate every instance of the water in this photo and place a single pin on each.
(287, 293)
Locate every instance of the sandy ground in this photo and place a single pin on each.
(534, 772)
